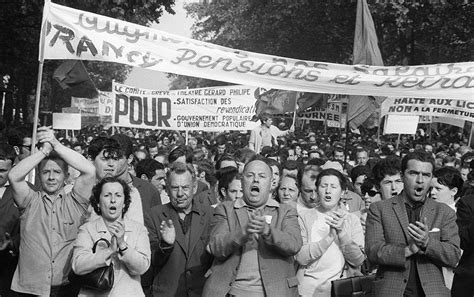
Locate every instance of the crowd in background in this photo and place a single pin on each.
(186, 191)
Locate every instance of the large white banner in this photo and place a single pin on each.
(207, 109)
(75, 34)
(450, 108)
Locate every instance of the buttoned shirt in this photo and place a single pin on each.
(49, 227)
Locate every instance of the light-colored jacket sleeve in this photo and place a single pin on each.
(310, 251)
(353, 247)
(137, 259)
(83, 260)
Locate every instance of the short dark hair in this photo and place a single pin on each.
(388, 166)
(264, 116)
(451, 178)
(7, 152)
(244, 155)
(418, 155)
(291, 165)
(125, 143)
(225, 179)
(104, 143)
(225, 157)
(360, 170)
(148, 167)
(334, 172)
(97, 190)
(180, 151)
(272, 162)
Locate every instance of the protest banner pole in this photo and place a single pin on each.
(429, 131)
(326, 119)
(187, 136)
(37, 105)
(378, 129)
(471, 136)
(294, 114)
(346, 145)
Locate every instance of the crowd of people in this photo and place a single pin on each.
(273, 212)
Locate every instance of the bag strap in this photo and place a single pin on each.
(95, 244)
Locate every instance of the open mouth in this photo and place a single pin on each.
(113, 209)
(327, 198)
(418, 191)
(255, 190)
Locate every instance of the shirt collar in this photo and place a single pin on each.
(239, 203)
(60, 195)
(413, 204)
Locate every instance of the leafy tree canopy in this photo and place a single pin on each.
(20, 21)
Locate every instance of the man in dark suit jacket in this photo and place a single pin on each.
(179, 233)
(253, 240)
(410, 236)
(463, 283)
(9, 223)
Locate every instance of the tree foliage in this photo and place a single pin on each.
(20, 21)
(409, 32)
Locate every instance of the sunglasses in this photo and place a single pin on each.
(371, 193)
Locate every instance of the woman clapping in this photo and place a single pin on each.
(332, 238)
(129, 249)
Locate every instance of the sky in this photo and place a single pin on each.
(178, 24)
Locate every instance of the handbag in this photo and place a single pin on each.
(355, 286)
(101, 279)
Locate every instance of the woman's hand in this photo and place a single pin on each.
(117, 229)
(336, 220)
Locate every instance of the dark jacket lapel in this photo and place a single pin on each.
(428, 212)
(198, 223)
(173, 215)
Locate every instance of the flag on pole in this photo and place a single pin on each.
(72, 75)
(366, 51)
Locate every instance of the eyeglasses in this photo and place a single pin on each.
(371, 193)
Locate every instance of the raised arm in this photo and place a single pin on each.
(18, 173)
(86, 180)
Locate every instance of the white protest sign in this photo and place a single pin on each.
(453, 108)
(334, 115)
(86, 105)
(397, 124)
(74, 34)
(67, 121)
(106, 103)
(207, 109)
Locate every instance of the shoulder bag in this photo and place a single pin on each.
(355, 286)
(101, 279)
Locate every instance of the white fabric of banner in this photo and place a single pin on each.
(75, 34)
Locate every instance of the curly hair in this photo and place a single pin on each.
(97, 190)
